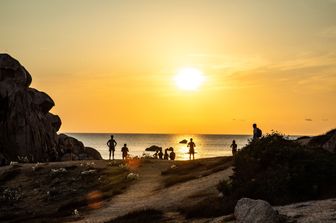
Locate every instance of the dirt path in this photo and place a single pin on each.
(146, 192)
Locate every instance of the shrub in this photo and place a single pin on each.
(280, 171)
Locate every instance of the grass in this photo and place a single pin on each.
(189, 170)
(140, 216)
(56, 196)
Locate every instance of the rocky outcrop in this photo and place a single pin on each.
(28, 131)
(255, 211)
(73, 149)
(326, 141)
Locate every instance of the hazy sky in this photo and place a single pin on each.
(109, 65)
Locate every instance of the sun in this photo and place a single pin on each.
(189, 79)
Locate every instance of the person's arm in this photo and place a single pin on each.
(108, 143)
(115, 143)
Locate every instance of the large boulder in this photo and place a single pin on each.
(255, 211)
(68, 144)
(92, 154)
(74, 149)
(28, 131)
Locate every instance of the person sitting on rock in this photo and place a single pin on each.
(234, 147)
(166, 154)
(160, 154)
(172, 155)
(124, 151)
(111, 144)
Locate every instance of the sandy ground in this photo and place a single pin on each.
(147, 192)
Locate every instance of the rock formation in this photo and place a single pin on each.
(255, 211)
(325, 141)
(28, 131)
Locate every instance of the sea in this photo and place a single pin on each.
(206, 145)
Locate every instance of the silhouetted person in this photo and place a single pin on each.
(111, 144)
(155, 155)
(257, 133)
(234, 147)
(191, 146)
(124, 151)
(172, 155)
(160, 154)
(165, 157)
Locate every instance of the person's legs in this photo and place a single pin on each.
(110, 155)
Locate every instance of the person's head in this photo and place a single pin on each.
(233, 141)
(125, 144)
(254, 125)
(111, 136)
(191, 139)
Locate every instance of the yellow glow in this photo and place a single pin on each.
(112, 66)
(189, 79)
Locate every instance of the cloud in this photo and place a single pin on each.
(239, 120)
(308, 119)
(329, 32)
(307, 72)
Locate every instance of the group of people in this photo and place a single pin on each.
(111, 143)
(257, 133)
(159, 154)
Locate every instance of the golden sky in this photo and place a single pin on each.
(110, 65)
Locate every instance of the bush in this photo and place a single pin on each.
(280, 171)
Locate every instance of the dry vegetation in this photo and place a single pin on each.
(37, 193)
(188, 170)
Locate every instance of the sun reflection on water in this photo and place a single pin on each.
(182, 150)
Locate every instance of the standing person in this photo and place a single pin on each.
(257, 133)
(234, 147)
(111, 144)
(124, 151)
(191, 146)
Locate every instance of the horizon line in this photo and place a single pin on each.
(143, 133)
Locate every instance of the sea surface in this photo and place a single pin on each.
(206, 145)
